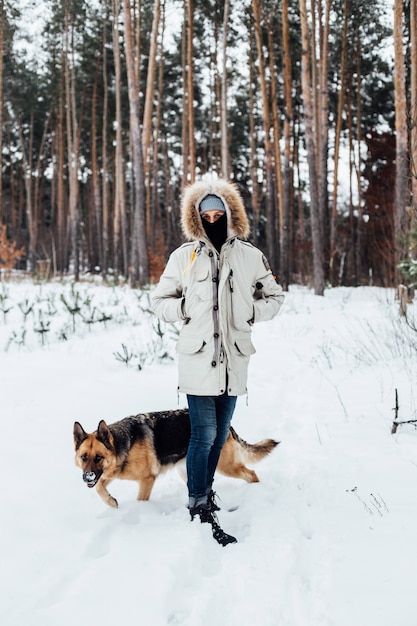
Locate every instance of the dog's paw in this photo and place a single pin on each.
(112, 502)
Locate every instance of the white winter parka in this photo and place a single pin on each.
(218, 297)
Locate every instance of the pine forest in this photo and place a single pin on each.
(109, 108)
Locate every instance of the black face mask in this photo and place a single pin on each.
(216, 232)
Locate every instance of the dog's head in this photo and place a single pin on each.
(94, 453)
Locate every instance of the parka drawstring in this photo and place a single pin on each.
(195, 253)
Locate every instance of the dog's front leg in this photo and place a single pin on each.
(101, 489)
(145, 487)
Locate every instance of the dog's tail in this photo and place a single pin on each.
(254, 452)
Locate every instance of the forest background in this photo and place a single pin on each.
(109, 108)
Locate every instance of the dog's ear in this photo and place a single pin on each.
(79, 434)
(104, 435)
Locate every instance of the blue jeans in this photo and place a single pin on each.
(210, 418)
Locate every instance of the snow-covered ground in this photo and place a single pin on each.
(327, 538)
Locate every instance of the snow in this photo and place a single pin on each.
(325, 539)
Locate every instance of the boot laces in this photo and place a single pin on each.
(212, 501)
(208, 516)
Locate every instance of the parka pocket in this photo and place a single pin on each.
(245, 346)
(190, 345)
(242, 312)
(202, 288)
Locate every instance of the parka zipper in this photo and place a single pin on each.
(215, 279)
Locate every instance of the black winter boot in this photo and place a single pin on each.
(211, 500)
(208, 517)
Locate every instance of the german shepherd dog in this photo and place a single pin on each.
(143, 446)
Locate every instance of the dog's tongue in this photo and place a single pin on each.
(90, 485)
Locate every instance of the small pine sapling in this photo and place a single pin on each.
(125, 356)
(42, 327)
(4, 307)
(73, 306)
(26, 308)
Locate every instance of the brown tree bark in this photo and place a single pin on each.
(1, 103)
(150, 85)
(285, 233)
(279, 226)
(254, 161)
(303, 269)
(72, 134)
(269, 155)
(223, 107)
(323, 118)
(136, 16)
(61, 220)
(95, 179)
(27, 173)
(104, 160)
(338, 133)
(190, 90)
(140, 259)
(119, 191)
(311, 153)
(156, 225)
(184, 120)
(147, 114)
(401, 176)
(357, 161)
(38, 204)
(413, 105)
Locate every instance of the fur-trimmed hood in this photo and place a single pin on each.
(237, 220)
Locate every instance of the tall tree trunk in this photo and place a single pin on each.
(351, 266)
(12, 187)
(323, 116)
(38, 205)
(72, 147)
(223, 108)
(311, 154)
(2, 24)
(119, 192)
(104, 160)
(150, 85)
(254, 161)
(147, 113)
(359, 221)
(140, 260)
(95, 178)
(31, 222)
(278, 226)
(301, 240)
(190, 89)
(137, 20)
(214, 151)
(157, 230)
(401, 174)
(270, 193)
(61, 221)
(338, 135)
(413, 105)
(287, 201)
(184, 121)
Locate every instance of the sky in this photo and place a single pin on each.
(326, 538)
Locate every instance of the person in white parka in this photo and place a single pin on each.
(219, 285)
